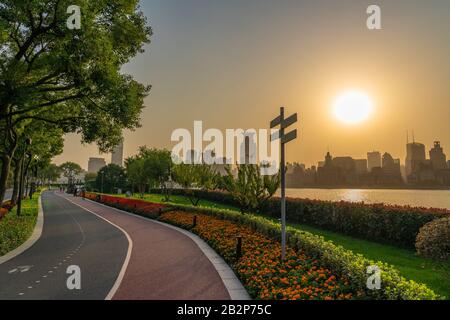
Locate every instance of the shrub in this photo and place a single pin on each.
(342, 262)
(3, 212)
(263, 274)
(396, 225)
(8, 205)
(433, 240)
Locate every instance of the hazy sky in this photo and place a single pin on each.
(232, 63)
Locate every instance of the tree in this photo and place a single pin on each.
(90, 181)
(69, 78)
(70, 170)
(49, 173)
(195, 177)
(46, 142)
(249, 188)
(157, 169)
(134, 168)
(110, 178)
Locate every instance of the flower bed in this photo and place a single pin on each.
(396, 225)
(260, 268)
(140, 207)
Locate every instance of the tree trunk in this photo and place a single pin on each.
(15, 194)
(6, 164)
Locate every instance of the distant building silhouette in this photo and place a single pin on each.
(415, 157)
(373, 160)
(438, 157)
(328, 174)
(117, 155)
(361, 166)
(348, 169)
(391, 170)
(95, 164)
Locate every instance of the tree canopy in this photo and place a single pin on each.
(70, 79)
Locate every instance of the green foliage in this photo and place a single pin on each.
(15, 230)
(69, 80)
(134, 167)
(70, 170)
(110, 178)
(149, 168)
(249, 188)
(433, 240)
(90, 181)
(341, 261)
(195, 177)
(394, 225)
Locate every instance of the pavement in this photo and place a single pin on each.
(121, 256)
(71, 236)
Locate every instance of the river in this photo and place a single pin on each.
(415, 198)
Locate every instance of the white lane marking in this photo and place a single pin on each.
(21, 294)
(20, 269)
(38, 281)
(121, 275)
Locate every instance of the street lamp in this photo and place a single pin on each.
(22, 173)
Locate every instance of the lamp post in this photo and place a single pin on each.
(284, 139)
(22, 173)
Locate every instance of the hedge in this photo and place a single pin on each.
(396, 225)
(341, 261)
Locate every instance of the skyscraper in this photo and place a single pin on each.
(373, 160)
(415, 157)
(117, 155)
(95, 164)
(438, 157)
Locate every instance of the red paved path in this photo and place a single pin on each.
(164, 264)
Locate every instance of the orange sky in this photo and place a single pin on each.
(233, 63)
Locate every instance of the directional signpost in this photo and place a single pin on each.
(284, 139)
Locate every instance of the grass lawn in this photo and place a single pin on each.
(15, 230)
(412, 267)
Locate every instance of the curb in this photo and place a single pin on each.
(234, 287)
(35, 236)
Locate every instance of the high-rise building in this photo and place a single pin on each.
(373, 160)
(391, 167)
(95, 164)
(438, 157)
(361, 166)
(117, 155)
(415, 157)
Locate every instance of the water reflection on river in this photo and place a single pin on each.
(416, 198)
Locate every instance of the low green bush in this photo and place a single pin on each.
(336, 258)
(15, 230)
(396, 225)
(433, 240)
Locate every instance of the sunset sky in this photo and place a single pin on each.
(233, 63)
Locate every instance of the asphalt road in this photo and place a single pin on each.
(137, 258)
(71, 237)
(164, 264)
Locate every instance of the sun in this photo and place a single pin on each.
(353, 107)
